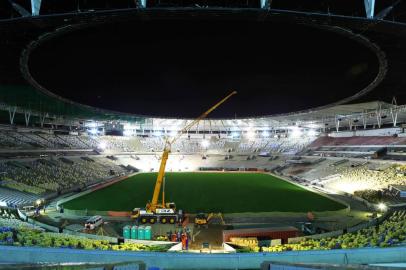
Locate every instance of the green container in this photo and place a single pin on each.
(148, 233)
(141, 232)
(134, 232)
(127, 232)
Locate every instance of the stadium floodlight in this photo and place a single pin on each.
(128, 132)
(102, 145)
(173, 133)
(312, 133)
(91, 124)
(205, 143)
(382, 207)
(295, 132)
(251, 135)
(93, 131)
(313, 126)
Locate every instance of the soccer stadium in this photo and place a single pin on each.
(169, 134)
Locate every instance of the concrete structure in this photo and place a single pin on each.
(197, 261)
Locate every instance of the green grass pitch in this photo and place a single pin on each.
(208, 192)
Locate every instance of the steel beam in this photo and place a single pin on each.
(266, 4)
(22, 11)
(370, 8)
(141, 3)
(35, 7)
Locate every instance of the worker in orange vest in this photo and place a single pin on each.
(184, 239)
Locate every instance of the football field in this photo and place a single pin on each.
(208, 192)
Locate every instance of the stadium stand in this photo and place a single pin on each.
(9, 218)
(356, 141)
(363, 178)
(36, 139)
(358, 147)
(12, 198)
(41, 140)
(53, 173)
(39, 176)
(195, 145)
(390, 232)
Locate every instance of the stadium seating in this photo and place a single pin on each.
(354, 141)
(42, 140)
(362, 178)
(13, 198)
(10, 219)
(39, 176)
(389, 233)
(45, 175)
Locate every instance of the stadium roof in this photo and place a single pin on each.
(16, 93)
(339, 110)
(371, 113)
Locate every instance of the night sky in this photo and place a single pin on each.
(179, 69)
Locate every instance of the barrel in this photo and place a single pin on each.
(141, 232)
(148, 233)
(134, 232)
(126, 232)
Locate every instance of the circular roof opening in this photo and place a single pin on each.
(180, 68)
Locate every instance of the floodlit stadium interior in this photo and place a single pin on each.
(168, 134)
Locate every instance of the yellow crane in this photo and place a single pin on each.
(163, 212)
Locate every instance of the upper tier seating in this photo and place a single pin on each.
(354, 141)
(42, 140)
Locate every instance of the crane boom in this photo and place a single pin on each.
(201, 117)
(167, 149)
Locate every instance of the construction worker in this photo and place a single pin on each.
(184, 244)
(178, 238)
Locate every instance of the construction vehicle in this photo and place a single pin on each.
(202, 219)
(165, 212)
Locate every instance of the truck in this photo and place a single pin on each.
(161, 215)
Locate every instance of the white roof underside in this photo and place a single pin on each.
(315, 119)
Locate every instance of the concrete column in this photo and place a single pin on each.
(12, 113)
(337, 124)
(394, 114)
(27, 116)
(378, 118)
(42, 119)
(364, 120)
